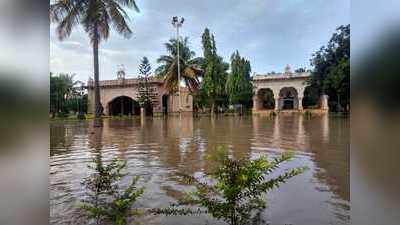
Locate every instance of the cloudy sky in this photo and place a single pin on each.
(270, 33)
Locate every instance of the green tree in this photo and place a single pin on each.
(96, 17)
(215, 72)
(331, 73)
(147, 94)
(338, 79)
(106, 201)
(189, 65)
(234, 191)
(239, 87)
(200, 100)
(300, 70)
(63, 95)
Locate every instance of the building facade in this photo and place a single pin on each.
(120, 97)
(286, 90)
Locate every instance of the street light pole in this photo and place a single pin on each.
(177, 22)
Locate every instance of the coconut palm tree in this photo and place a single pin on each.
(62, 88)
(96, 17)
(189, 66)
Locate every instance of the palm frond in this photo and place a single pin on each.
(199, 61)
(119, 18)
(57, 11)
(68, 16)
(165, 59)
(189, 66)
(129, 3)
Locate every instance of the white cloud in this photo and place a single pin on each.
(270, 33)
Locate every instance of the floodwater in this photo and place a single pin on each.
(156, 148)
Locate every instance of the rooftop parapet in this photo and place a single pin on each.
(281, 76)
(123, 82)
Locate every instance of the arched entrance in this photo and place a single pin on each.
(123, 105)
(266, 99)
(165, 104)
(288, 98)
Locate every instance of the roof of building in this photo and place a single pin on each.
(127, 82)
(281, 76)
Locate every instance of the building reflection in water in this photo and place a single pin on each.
(157, 148)
(325, 149)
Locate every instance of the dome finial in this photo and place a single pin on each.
(288, 70)
(121, 72)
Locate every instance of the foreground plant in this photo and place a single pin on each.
(106, 200)
(235, 189)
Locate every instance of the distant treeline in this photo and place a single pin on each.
(66, 96)
(216, 84)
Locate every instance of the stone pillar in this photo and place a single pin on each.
(255, 102)
(142, 111)
(324, 102)
(300, 103)
(107, 110)
(277, 106)
(300, 95)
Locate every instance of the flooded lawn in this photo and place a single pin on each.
(157, 148)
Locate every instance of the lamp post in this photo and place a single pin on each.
(177, 23)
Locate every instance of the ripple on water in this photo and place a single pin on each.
(159, 148)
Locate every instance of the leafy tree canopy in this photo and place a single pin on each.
(239, 86)
(215, 72)
(331, 73)
(190, 66)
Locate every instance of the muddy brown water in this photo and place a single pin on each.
(156, 148)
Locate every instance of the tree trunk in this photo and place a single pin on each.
(339, 107)
(98, 107)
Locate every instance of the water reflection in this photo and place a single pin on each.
(156, 148)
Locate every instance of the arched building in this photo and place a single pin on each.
(282, 92)
(120, 97)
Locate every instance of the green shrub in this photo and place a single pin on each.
(62, 114)
(81, 116)
(106, 201)
(236, 191)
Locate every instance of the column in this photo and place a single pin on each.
(300, 104)
(142, 111)
(300, 95)
(277, 106)
(107, 110)
(324, 102)
(255, 103)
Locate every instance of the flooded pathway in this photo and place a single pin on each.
(157, 148)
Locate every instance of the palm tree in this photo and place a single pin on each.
(62, 88)
(189, 66)
(95, 16)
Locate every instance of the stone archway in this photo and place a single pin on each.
(288, 98)
(266, 99)
(123, 105)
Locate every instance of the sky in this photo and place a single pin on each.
(270, 33)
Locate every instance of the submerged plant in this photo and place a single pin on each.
(234, 191)
(106, 200)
